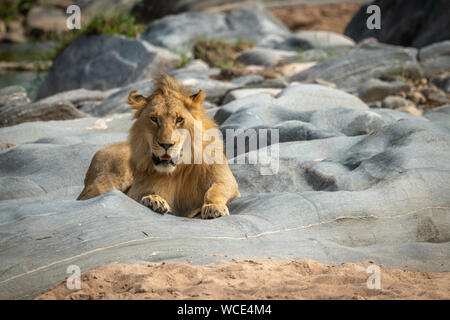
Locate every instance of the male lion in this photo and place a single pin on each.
(148, 168)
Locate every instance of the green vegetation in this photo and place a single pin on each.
(12, 9)
(220, 53)
(185, 56)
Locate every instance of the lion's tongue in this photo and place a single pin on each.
(165, 157)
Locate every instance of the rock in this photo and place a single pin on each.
(97, 131)
(46, 19)
(104, 62)
(435, 96)
(195, 68)
(257, 24)
(375, 89)
(264, 56)
(215, 90)
(439, 115)
(38, 111)
(77, 96)
(442, 82)
(367, 61)
(250, 79)
(309, 55)
(316, 40)
(180, 31)
(301, 97)
(409, 23)
(240, 93)
(435, 58)
(13, 96)
(116, 102)
(313, 97)
(342, 182)
(394, 102)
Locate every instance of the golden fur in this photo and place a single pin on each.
(140, 167)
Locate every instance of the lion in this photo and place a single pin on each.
(148, 169)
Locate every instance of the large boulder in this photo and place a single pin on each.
(104, 62)
(316, 40)
(179, 32)
(38, 111)
(367, 61)
(409, 23)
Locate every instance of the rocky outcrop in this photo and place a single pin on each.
(367, 61)
(180, 32)
(342, 182)
(105, 62)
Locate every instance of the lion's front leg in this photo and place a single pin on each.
(216, 199)
(156, 203)
(212, 210)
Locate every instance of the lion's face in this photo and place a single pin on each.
(163, 122)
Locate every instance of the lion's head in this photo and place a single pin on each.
(154, 137)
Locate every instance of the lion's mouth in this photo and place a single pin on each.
(164, 159)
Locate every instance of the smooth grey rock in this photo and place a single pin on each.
(196, 68)
(316, 40)
(264, 56)
(314, 96)
(435, 57)
(394, 102)
(257, 24)
(104, 62)
(351, 185)
(442, 82)
(38, 111)
(375, 89)
(251, 79)
(309, 55)
(215, 90)
(117, 101)
(409, 23)
(77, 96)
(439, 115)
(240, 93)
(367, 61)
(179, 32)
(82, 130)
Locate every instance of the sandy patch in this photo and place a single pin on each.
(328, 17)
(252, 279)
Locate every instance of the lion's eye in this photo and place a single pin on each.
(179, 120)
(154, 119)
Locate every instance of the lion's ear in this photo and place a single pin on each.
(198, 97)
(136, 101)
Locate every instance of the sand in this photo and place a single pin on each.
(252, 279)
(328, 17)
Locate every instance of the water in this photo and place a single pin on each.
(25, 52)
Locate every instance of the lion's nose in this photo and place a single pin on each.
(165, 145)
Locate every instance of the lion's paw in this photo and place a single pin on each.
(156, 203)
(211, 211)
